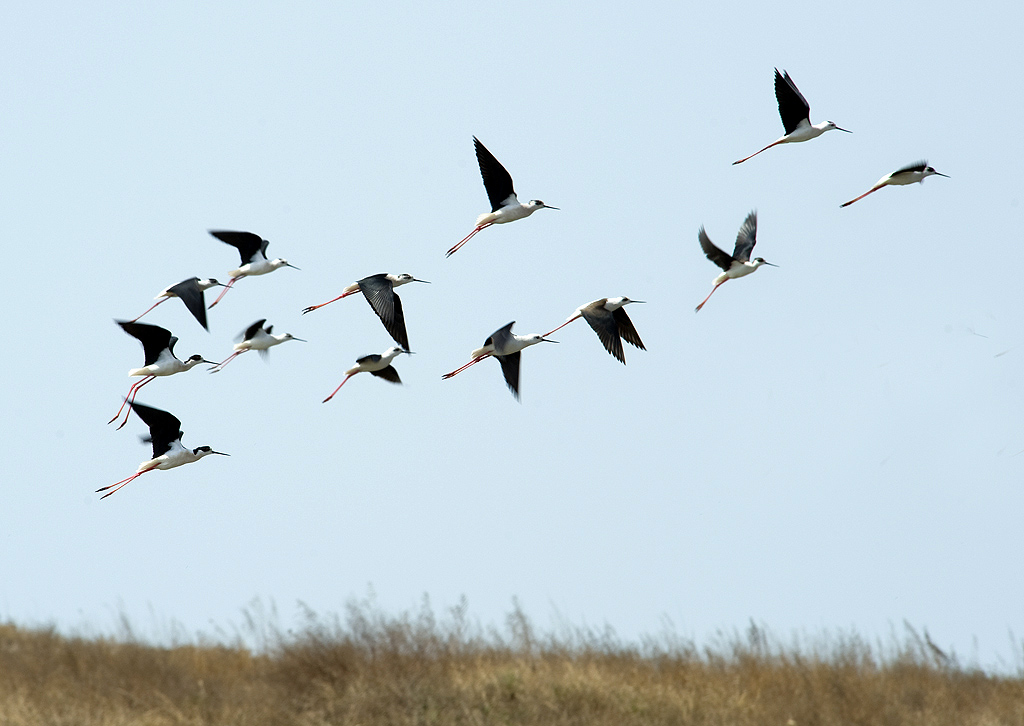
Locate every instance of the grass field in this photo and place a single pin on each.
(369, 668)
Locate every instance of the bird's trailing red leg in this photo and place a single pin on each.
(338, 388)
(311, 308)
(446, 376)
(161, 300)
(466, 239)
(697, 309)
(224, 291)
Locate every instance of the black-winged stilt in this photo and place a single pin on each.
(253, 251)
(378, 364)
(505, 206)
(916, 172)
(379, 291)
(168, 451)
(796, 116)
(506, 346)
(609, 320)
(158, 346)
(256, 337)
(737, 264)
(190, 292)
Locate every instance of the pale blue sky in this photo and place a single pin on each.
(830, 444)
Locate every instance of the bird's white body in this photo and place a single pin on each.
(369, 364)
(806, 131)
(507, 346)
(256, 337)
(263, 340)
(739, 269)
(259, 265)
(167, 365)
(177, 456)
(511, 210)
(611, 304)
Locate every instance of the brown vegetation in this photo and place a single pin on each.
(374, 669)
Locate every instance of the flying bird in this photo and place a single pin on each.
(256, 337)
(505, 206)
(609, 320)
(379, 291)
(190, 292)
(796, 116)
(376, 364)
(916, 172)
(737, 264)
(168, 452)
(253, 251)
(158, 347)
(506, 346)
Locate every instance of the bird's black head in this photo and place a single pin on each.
(201, 448)
(197, 358)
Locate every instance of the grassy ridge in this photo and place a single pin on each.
(375, 669)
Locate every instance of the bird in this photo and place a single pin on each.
(506, 346)
(256, 337)
(737, 264)
(916, 172)
(608, 318)
(796, 116)
(253, 250)
(190, 292)
(505, 206)
(379, 291)
(375, 364)
(158, 346)
(168, 452)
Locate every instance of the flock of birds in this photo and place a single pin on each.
(606, 316)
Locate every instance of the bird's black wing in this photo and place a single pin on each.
(720, 257)
(247, 243)
(372, 358)
(510, 369)
(793, 107)
(154, 339)
(388, 374)
(746, 238)
(916, 166)
(500, 335)
(380, 293)
(190, 294)
(626, 329)
(164, 428)
(252, 330)
(607, 330)
(497, 180)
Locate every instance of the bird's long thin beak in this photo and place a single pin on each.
(770, 264)
(939, 173)
(299, 339)
(840, 128)
(416, 280)
(220, 452)
(639, 301)
(410, 352)
(548, 340)
(208, 361)
(548, 206)
(288, 264)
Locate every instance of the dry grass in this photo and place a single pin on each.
(370, 668)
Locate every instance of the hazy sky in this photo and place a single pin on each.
(831, 444)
